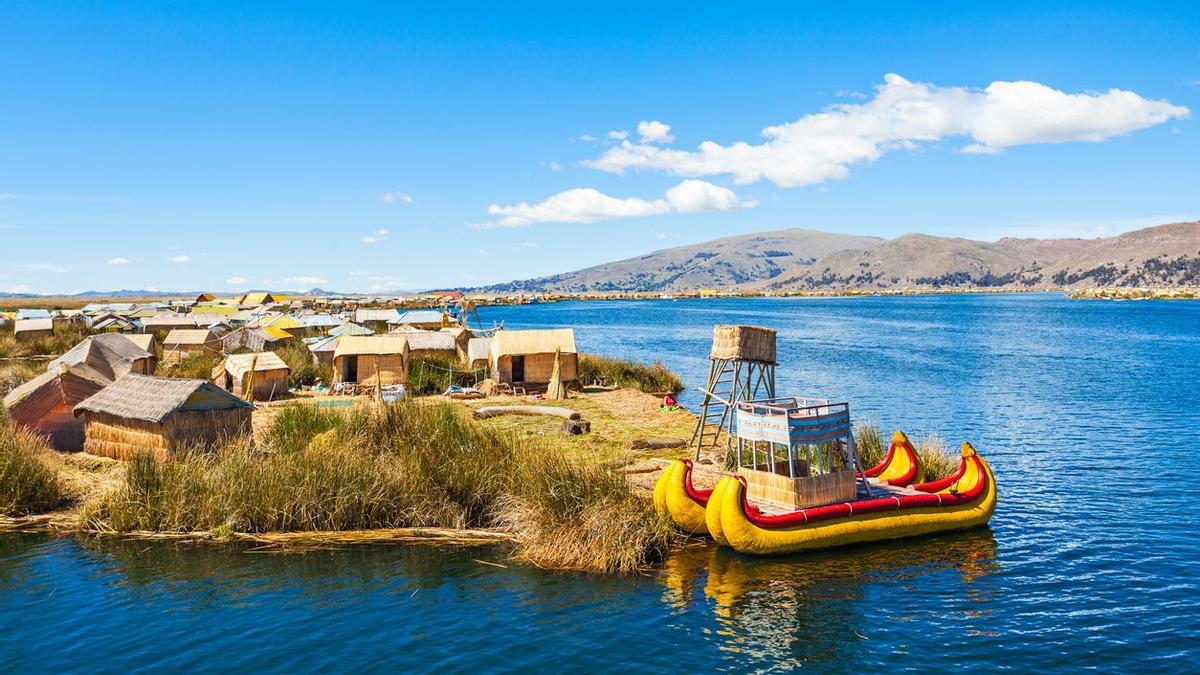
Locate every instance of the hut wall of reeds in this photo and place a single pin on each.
(748, 343)
(43, 405)
(122, 437)
(164, 415)
(270, 378)
(371, 359)
(527, 356)
(33, 329)
(180, 344)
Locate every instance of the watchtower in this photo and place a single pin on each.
(741, 367)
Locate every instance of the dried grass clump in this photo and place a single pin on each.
(190, 367)
(869, 443)
(410, 464)
(28, 484)
(655, 379)
(938, 460)
(15, 373)
(303, 368)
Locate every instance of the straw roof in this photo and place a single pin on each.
(111, 355)
(516, 342)
(25, 325)
(422, 316)
(181, 336)
(62, 383)
(240, 364)
(477, 349)
(427, 340)
(154, 399)
(353, 345)
(362, 315)
(142, 340)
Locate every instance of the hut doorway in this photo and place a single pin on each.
(350, 369)
(518, 369)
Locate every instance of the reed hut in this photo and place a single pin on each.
(376, 319)
(526, 357)
(252, 339)
(270, 377)
(430, 345)
(182, 343)
(143, 340)
(44, 404)
(33, 329)
(371, 359)
(161, 414)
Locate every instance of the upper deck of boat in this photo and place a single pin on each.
(878, 489)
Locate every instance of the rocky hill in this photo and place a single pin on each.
(797, 259)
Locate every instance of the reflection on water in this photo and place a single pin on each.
(806, 608)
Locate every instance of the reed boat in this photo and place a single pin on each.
(676, 497)
(800, 486)
(963, 500)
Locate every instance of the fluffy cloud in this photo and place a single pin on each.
(553, 166)
(396, 196)
(179, 259)
(375, 237)
(618, 135)
(586, 205)
(301, 281)
(235, 281)
(118, 261)
(379, 282)
(654, 132)
(823, 146)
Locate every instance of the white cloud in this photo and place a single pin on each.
(618, 135)
(379, 282)
(588, 138)
(822, 146)
(849, 93)
(695, 196)
(483, 251)
(375, 237)
(117, 261)
(654, 132)
(525, 245)
(586, 205)
(553, 166)
(396, 196)
(235, 281)
(19, 288)
(179, 259)
(660, 235)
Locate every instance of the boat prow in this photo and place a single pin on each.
(900, 466)
(964, 500)
(678, 499)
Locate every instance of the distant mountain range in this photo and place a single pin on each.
(128, 293)
(798, 259)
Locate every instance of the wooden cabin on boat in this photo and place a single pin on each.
(270, 375)
(162, 414)
(44, 405)
(33, 329)
(526, 357)
(182, 343)
(371, 359)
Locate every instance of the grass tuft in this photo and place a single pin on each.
(28, 484)
(655, 379)
(303, 367)
(192, 367)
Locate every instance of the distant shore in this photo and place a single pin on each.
(425, 300)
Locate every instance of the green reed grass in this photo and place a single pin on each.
(303, 367)
(192, 366)
(652, 379)
(28, 483)
(403, 465)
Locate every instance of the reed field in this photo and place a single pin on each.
(28, 482)
(412, 464)
(652, 379)
(304, 369)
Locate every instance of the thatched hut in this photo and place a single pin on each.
(252, 338)
(527, 356)
(270, 374)
(182, 343)
(33, 329)
(371, 359)
(44, 404)
(376, 319)
(161, 414)
(477, 352)
(430, 345)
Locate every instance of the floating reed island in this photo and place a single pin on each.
(397, 427)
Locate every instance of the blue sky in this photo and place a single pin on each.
(359, 147)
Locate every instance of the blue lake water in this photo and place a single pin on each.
(1088, 412)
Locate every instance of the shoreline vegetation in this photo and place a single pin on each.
(421, 471)
(52, 302)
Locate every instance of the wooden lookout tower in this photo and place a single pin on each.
(741, 367)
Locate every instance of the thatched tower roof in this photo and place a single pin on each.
(155, 399)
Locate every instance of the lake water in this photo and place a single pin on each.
(1088, 412)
